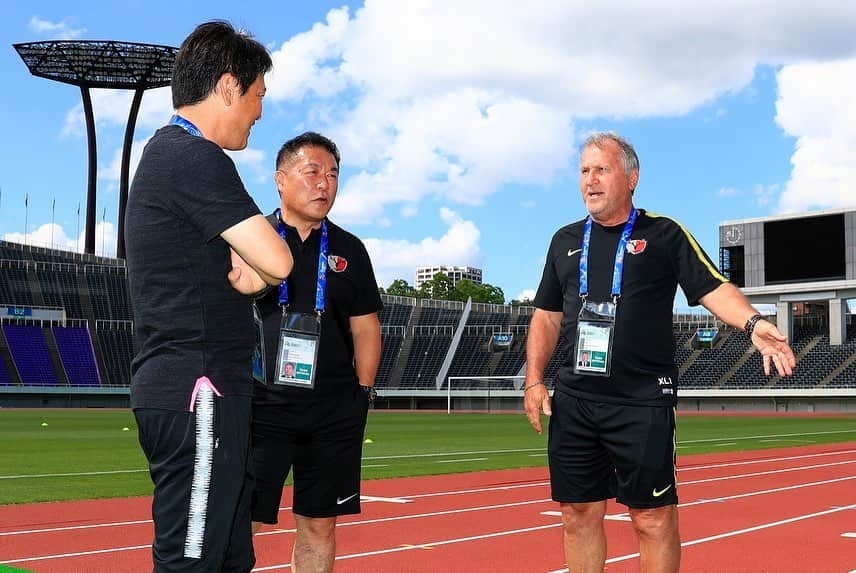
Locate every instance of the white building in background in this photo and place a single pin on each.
(424, 274)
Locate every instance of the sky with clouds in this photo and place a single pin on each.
(459, 121)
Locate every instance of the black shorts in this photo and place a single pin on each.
(322, 440)
(600, 450)
(199, 463)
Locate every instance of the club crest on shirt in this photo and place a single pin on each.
(636, 246)
(337, 263)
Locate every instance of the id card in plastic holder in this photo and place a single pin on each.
(259, 347)
(595, 334)
(297, 355)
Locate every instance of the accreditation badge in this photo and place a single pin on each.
(297, 355)
(259, 347)
(595, 333)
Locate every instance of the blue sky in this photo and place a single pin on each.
(459, 121)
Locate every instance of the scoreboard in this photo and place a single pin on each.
(789, 249)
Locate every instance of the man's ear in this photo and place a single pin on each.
(634, 180)
(227, 88)
(279, 179)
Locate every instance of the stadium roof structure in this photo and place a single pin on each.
(102, 64)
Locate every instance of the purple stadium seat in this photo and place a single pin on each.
(30, 353)
(78, 358)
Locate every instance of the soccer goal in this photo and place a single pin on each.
(484, 393)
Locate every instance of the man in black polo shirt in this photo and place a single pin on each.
(197, 245)
(322, 345)
(608, 287)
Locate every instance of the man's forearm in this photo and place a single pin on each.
(543, 337)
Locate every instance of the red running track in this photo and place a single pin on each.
(782, 510)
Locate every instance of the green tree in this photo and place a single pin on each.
(438, 287)
(400, 287)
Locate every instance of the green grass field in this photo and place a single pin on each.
(87, 454)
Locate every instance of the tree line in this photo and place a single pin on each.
(441, 287)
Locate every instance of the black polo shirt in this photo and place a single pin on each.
(661, 255)
(189, 321)
(351, 291)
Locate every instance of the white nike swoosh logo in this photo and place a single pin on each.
(571, 253)
(340, 501)
(662, 491)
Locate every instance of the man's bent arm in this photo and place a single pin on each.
(367, 347)
(261, 247)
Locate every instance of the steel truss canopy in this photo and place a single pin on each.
(102, 64)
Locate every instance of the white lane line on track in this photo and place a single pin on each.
(434, 514)
(849, 534)
(764, 492)
(733, 533)
(78, 554)
(770, 472)
(765, 460)
(421, 515)
(463, 460)
(421, 545)
(369, 498)
(428, 495)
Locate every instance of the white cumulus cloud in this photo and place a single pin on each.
(53, 235)
(814, 106)
(452, 100)
(61, 30)
(398, 259)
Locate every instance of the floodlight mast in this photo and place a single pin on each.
(102, 64)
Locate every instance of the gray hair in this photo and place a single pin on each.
(599, 139)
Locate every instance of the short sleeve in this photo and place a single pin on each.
(696, 273)
(549, 296)
(210, 194)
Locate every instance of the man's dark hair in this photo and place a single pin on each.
(211, 50)
(309, 139)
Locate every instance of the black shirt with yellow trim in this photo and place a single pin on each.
(351, 291)
(661, 255)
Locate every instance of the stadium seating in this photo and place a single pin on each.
(31, 355)
(75, 350)
(417, 335)
(5, 379)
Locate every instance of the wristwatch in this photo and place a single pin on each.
(371, 393)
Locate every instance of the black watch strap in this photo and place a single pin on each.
(370, 391)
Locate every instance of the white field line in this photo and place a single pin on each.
(422, 545)
(463, 460)
(765, 460)
(479, 490)
(441, 454)
(458, 511)
(278, 531)
(733, 533)
(770, 472)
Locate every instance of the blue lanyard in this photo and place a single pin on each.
(185, 125)
(321, 285)
(618, 269)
